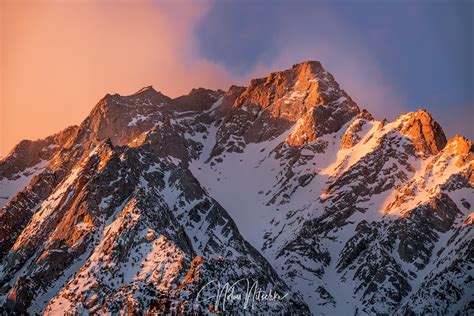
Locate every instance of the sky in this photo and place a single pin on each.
(58, 58)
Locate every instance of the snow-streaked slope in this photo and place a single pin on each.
(10, 187)
(285, 181)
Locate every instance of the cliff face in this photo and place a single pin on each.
(425, 133)
(27, 159)
(285, 182)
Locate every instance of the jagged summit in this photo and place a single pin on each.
(145, 92)
(424, 131)
(308, 68)
(464, 145)
(308, 63)
(285, 181)
(204, 90)
(305, 75)
(146, 89)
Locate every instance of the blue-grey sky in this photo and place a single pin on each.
(391, 56)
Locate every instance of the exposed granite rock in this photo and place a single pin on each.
(426, 134)
(29, 153)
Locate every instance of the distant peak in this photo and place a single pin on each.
(150, 92)
(200, 90)
(305, 73)
(308, 63)
(147, 89)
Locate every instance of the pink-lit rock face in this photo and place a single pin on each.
(424, 132)
(151, 201)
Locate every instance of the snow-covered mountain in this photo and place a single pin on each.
(153, 204)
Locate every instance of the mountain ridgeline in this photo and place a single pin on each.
(153, 204)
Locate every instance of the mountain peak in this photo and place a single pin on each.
(201, 90)
(150, 92)
(147, 92)
(307, 82)
(304, 71)
(147, 89)
(426, 134)
(461, 144)
(308, 64)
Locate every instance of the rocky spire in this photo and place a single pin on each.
(425, 133)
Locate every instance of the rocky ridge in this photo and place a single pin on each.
(150, 198)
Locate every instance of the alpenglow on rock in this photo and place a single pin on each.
(152, 203)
